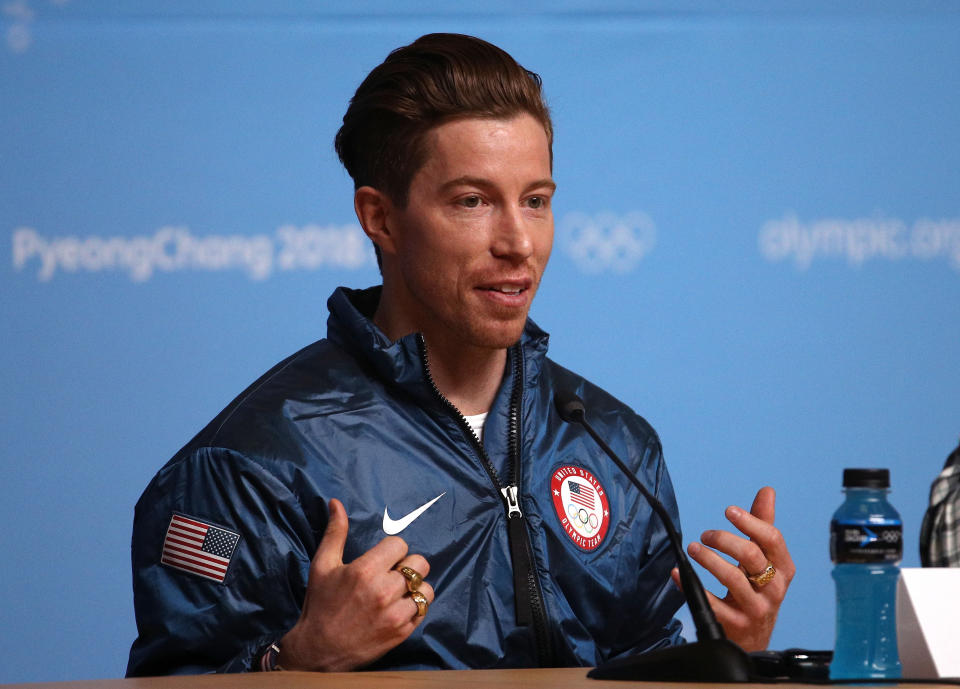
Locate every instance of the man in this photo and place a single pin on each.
(428, 412)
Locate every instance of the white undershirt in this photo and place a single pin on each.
(476, 423)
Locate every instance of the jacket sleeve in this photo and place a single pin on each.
(220, 551)
(654, 586)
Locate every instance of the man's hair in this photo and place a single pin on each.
(437, 78)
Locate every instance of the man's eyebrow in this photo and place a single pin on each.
(466, 181)
(470, 181)
(545, 182)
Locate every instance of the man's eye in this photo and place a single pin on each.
(470, 201)
(536, 202)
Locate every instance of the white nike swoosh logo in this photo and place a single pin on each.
(394, 526)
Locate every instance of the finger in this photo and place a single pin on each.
(404, 614)
(729, 616)
(761, 532)
(764, 504)
(329, 553)
(428, 593)
(747, 618)
(675, 575)
(723, 611)
(773, 543)
(727, 574)
(415, 562)
(747, 553)
(384, 556)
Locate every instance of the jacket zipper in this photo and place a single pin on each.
(528, 596)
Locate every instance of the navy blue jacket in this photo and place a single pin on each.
(357, 418)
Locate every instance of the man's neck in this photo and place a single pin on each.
(468, 379)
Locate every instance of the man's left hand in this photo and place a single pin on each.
(749, 610)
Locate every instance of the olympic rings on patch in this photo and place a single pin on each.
(584, 520)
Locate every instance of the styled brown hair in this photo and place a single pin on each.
(437, 78)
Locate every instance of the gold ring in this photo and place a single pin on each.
(413, 577)
(421, 601)
(764, 578)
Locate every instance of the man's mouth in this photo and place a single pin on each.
(512, 290)
(507, 286)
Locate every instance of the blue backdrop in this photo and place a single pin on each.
(758, 248)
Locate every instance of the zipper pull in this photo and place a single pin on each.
(520, 557)
(513, 504)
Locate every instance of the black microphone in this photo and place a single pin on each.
(713, 657)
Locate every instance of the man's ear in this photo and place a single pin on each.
(373, 209)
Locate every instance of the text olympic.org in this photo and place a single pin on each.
(859, 240)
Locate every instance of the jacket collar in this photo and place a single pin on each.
(350, 326)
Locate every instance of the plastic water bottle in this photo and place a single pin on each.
(866, 545)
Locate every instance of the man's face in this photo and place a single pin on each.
(473, 241)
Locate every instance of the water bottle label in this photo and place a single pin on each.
(859, 542)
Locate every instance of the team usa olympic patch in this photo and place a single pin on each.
(582, 506)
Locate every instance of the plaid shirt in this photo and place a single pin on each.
(940, 534)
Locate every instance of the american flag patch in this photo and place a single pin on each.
(198, 548)
(581, 493)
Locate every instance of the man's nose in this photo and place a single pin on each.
(513, 236)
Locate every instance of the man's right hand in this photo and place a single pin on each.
(354, 613)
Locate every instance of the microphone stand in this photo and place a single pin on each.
(713, 657)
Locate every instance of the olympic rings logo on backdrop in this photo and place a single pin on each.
(607, 241)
